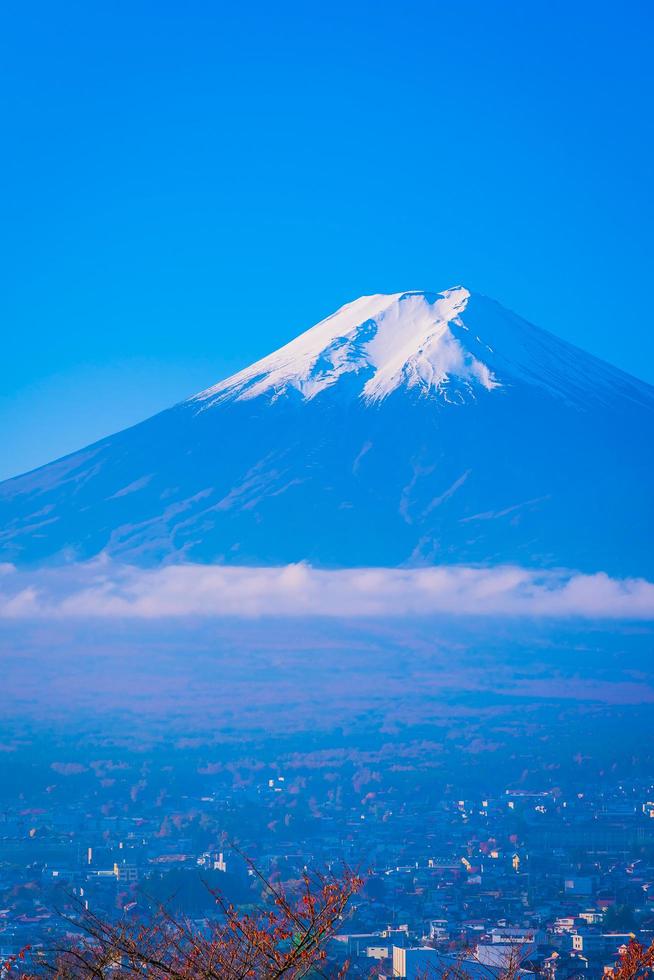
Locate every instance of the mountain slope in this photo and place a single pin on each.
(409, 428)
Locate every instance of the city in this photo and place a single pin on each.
(551, 862)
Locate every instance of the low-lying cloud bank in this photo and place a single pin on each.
(103, 588)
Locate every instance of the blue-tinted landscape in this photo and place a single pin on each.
(327, 492)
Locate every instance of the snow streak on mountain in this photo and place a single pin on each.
(409, 428)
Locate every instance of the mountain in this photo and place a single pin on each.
(409, 428)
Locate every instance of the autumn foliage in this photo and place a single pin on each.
(286, 938)
(636, 962)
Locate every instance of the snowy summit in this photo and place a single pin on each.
(412, 339)
(447, 346)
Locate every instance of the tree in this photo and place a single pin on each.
(285, 939)
(636, 962)
(619, 917)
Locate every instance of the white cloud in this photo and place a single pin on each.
(103, 588)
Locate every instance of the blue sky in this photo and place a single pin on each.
(186, 186)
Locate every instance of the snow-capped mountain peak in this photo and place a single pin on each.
(412, 339)
(411, 428)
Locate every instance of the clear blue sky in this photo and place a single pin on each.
(187, 185)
